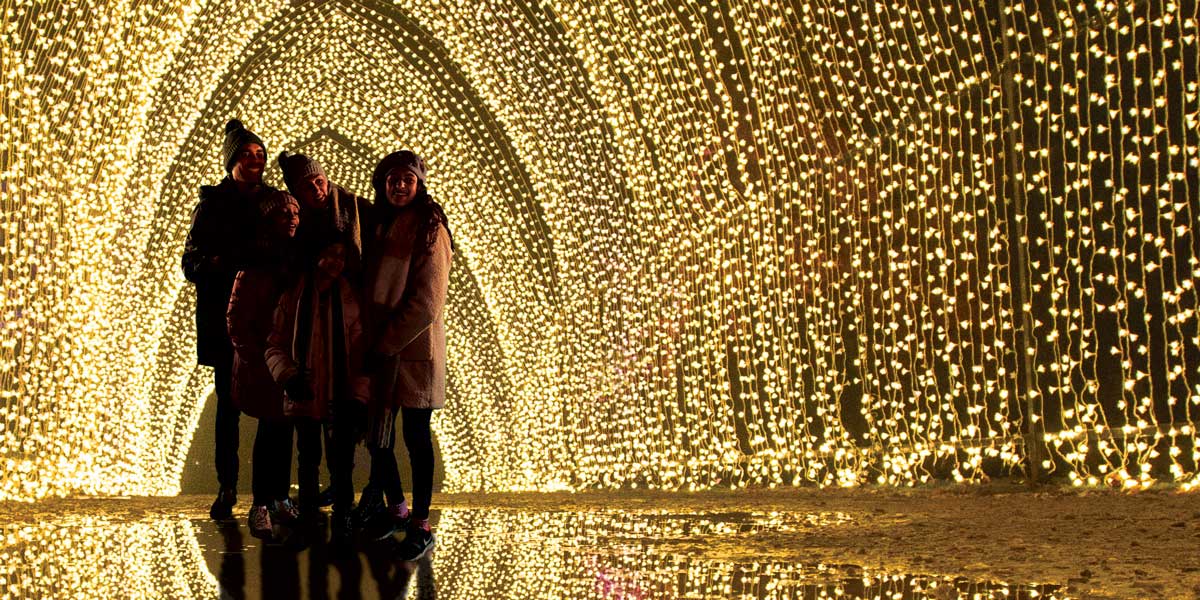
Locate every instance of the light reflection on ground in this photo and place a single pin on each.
(483, 553)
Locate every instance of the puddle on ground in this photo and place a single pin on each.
(493, 554)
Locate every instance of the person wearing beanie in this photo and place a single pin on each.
(407, 278)
(218, 243)
(314, 352)
(237, 139)
(329, 213)
(256, 291)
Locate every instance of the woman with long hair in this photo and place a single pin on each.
(407, 278)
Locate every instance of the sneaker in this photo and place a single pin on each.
(222, 507)
(385, 522)
(399, 513)
(260, 522)
(285, 512)
(418, 541)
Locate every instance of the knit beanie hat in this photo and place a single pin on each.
(296, 167)
(404, 159)
(236, 136)
(275, 201)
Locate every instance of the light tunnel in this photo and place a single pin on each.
(701, 244)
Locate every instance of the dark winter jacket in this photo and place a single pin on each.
(343, 220)
(331, 355)
(217, 247)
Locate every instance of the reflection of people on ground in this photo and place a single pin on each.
(252, 304)
(318, 571)
(231, 575)
(395, 579)
(216, 249)
(280, 572)
(407, 278)
(426, 589)
(349, 570)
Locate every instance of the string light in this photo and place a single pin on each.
(700, 244)
(622, 554)
(97, 557)
(598, 554)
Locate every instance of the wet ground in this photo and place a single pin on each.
(991, 542)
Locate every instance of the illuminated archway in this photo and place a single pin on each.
(701, 243)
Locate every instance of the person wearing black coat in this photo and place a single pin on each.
(218, 246)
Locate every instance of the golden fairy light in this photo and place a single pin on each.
(97, 557)
(701, 243)
(594, 554)
(624, 554)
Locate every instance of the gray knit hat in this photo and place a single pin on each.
(275, 201)
(236, 136)
(404, 159)
(296, 167)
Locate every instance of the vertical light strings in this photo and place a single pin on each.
(701, 244)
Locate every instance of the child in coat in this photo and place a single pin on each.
(315, 352)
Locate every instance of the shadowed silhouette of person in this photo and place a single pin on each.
(231, 575)
(280, 572)
(395, 578)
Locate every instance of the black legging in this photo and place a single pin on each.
(385, 475)
(271, 472)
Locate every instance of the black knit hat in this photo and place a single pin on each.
(236, 136)
(404, 159)
(296, 167)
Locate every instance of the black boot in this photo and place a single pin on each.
(222, 507)
(341, 536)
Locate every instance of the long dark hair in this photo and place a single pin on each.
(432, 212)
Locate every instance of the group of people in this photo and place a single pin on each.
(320, 313)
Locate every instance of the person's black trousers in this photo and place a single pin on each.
(272, 466)
(339, 457)
(225, 431)
(308, 460)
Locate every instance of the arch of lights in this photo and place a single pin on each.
(702, 243)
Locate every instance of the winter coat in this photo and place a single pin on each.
(331, 382)
(344, 220)
(216, 249)
(251, 312)
(407, 281)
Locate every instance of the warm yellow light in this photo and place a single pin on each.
(701, 244)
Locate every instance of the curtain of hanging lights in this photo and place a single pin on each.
(701, 243)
